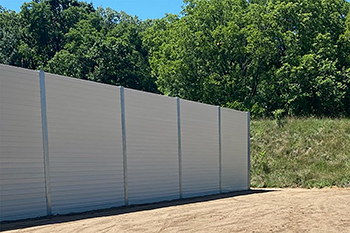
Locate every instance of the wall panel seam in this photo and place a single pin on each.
(220, 159)
(248, 152)
(45, 142)
(179, 145)
(125, 163)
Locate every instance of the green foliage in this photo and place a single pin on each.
(278, 114)
(43, 25)
(9, 36)
(72, 38)
(258, 56)
(304, 153)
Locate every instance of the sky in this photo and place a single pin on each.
(144, 9)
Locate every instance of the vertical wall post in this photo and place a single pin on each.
(179, 145)
(248, 154)
(45, 142)
(125, 162)
(220, 160)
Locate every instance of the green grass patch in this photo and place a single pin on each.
(304, 153)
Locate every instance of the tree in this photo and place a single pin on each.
(106, 47)
(264, 56)
(43, 25)
(311, 74)
(255, 55)
(9, 36)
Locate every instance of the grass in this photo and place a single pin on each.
(308, 153)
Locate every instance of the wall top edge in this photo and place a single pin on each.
(9, 67)
(235, 110)
(148, 93)
(72, 79)
(114, 86)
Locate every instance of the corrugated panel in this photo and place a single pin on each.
(151, 138)
(22, 184)
(234, 150)
(85, 144)
(200, 149)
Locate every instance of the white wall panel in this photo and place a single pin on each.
(22, 183)
(85, 144)
(152, 155)
(234, 150)
(200, 148)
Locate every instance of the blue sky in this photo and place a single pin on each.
(143, 8)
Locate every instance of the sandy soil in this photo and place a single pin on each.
(280, 210)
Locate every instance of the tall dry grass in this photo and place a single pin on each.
(300, 153)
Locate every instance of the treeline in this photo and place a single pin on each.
(269, 57)
(73, 38)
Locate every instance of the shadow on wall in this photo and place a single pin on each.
(21, 224)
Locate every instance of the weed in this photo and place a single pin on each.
(279, 117)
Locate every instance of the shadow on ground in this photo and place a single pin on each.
(48, 220)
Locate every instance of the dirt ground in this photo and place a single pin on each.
(277, 210)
